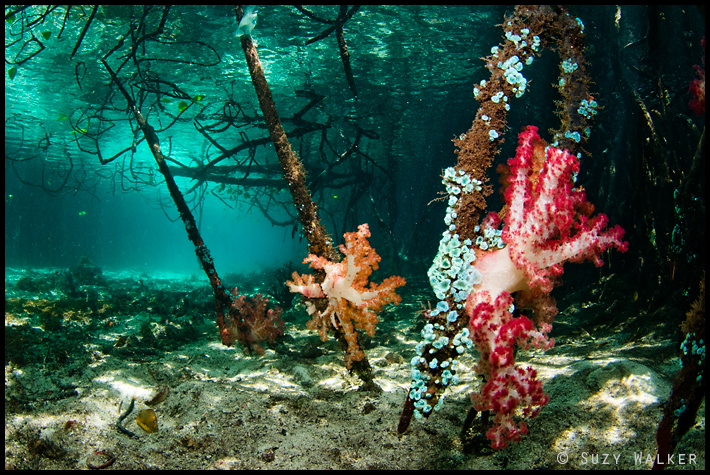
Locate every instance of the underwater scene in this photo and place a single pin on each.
(354, 237)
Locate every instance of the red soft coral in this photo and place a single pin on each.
(548, 222)
(496, 334)
(697, 87)
(351, 302)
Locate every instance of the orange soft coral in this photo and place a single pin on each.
(351, 302)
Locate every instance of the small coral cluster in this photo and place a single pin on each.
(250, 322)
(344, 300)
(697, 87)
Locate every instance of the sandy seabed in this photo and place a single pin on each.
(297, 407)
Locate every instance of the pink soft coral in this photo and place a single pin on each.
(250, 322)
(548, 222)
(350, 302)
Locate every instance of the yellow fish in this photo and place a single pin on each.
(147, 420)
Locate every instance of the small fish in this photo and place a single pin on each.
(248, 21)
(147, 420)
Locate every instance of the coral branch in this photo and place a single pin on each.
(547, 222)
(222, 299)
(681, 409)
(319, 242)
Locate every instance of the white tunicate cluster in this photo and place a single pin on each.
(517, 39)
(452, 272)
(520, 40)
(419, 389)
(581, 25)
(421, 380)
(491, 239)
(476, 90)
(512, 67)
(588, 108)
(461, 341)
(573, 135)
(569, 66)
(498, 96)
(536, 43)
